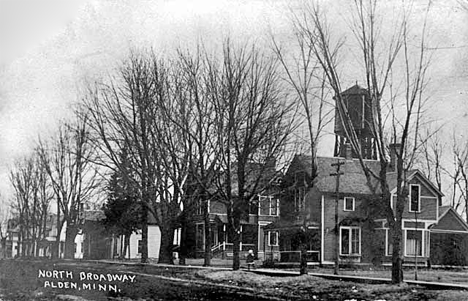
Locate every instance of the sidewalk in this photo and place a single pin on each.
(361, 279)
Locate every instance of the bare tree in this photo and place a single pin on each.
(4, 218)
(432, 153)
(137, 111)
(253, 124)
(396, 120)
(21, 179)
(118, 119)
(307, 82)
(32, 197)
(459, 177)
(194, 115)
(67, 159)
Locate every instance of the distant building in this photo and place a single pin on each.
(263, 210)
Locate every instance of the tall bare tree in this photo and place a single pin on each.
(5, 216)
(432, 158)
(196, 119)
(396, 113)
(119, 118)
(21, 179)
(459, 177)
(254, 124)
(67, 158)
(138, 111)
(32, 197)
(307, 82)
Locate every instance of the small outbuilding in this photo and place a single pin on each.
(449, 239)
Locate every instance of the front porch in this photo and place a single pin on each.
(252, 237)
(293, 236)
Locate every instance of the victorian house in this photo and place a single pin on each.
(337, 214)
(263, 209)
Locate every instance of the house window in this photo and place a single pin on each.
(200, 206)
(389, 244)
(299, 199)
(350, 238)
(415, 191)
(414, 243)
(272, 238)
(274, 206)
(140, 246)
(268, 205)
(253, 207)
(348, 204)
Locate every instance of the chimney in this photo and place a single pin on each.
(348, 151)
(394, 149)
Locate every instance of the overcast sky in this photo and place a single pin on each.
(49, 47)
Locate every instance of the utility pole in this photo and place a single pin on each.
(337, 174)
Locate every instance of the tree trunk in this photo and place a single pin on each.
(397, 263)
(183, 238)
(167, 244)
(3, 247)
(56, 248)
(208, 242)
(303, 247)
(70, 235)
(144, 234)
(236, 244)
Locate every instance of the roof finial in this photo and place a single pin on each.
(357, 83)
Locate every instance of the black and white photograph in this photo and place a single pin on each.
(234, 150)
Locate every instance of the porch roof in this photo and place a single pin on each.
(222, 219)
(290, 225)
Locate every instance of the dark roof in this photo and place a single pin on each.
(443, 210)
(353, 180)
(265, 173)
(448, 215)
(356, 89)
(222, 219)
(94, 215)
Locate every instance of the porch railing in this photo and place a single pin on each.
(217, 247)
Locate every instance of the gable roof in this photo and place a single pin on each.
(392, 180)
(353, 180)
(442, 211)
(94, 215)
(356, 89)
(450, 220)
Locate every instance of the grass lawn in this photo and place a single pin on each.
(19, 280)
(433, 275)
(308, 287)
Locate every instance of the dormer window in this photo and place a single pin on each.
(268, 205)
(299, 199)
(348, 204)
(414, 199)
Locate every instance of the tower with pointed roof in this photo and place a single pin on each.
(358, 104)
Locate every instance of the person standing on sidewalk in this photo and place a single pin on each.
(250, 260)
